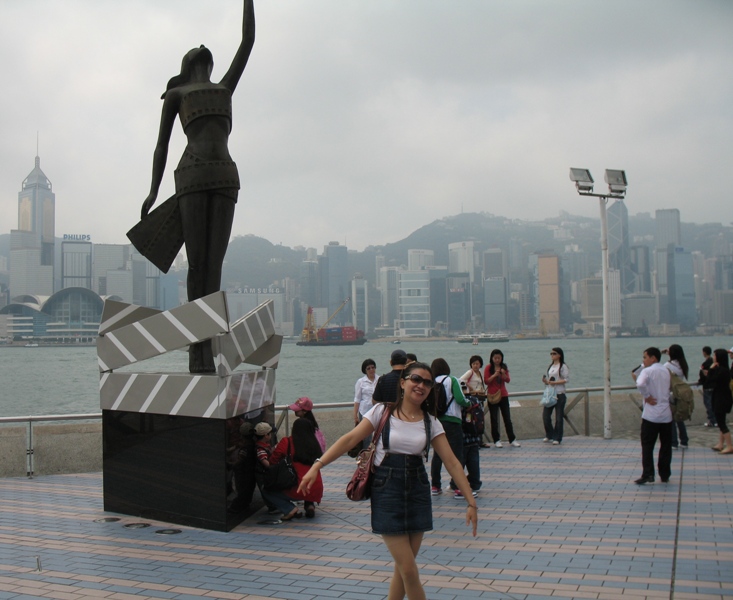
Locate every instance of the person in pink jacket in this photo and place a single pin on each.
(496, 376)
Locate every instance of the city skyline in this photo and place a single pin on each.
(350, 110)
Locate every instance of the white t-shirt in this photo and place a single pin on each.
(404, 437)
(654, 381)
(559, 373)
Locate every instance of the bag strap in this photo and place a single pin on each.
(426, 420)
(382, 422)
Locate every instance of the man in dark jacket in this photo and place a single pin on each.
(387, 385)
(707, 388)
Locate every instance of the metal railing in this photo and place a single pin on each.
(283, 420)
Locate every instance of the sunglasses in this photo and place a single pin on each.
(554, 354)
(416, 379)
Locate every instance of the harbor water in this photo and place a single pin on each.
(65, 380)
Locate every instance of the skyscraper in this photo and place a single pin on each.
(618, 245)
(666, 236)
(32, 244)
(337, 280)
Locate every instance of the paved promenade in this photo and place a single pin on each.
(555, 522)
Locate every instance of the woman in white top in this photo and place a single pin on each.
(400, 492)
(557, 375)
(677, 364)
(364, 389)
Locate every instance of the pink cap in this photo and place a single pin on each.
(303, 403)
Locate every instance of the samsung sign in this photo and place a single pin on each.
(77, 238)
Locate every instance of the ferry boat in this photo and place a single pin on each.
(482, 338)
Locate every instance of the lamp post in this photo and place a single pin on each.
(617, 184)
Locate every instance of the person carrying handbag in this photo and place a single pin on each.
(475, 386)
(401, 510)
(496, 376)
(303, 449)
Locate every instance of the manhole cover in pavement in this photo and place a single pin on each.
(137, 525)
(107, 520)
(168, 531)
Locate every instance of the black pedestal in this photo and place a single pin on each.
(177, 469)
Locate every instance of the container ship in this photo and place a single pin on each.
(329, 336)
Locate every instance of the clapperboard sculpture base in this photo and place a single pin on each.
(173, 450)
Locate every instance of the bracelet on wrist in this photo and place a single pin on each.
(474, 506)
(318, 460)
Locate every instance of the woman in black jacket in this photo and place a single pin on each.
(719, 376)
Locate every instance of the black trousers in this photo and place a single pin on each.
(649, 434)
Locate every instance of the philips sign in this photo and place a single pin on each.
(77, 238)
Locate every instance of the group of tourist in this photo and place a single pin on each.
(654, 381)
(414, 425)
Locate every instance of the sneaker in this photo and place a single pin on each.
(458, 495)
(499, 444)
(684, 446)
(555, 443)
(516, 444)
(435, 491)
(546, 440)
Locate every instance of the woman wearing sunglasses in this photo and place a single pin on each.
(400, 493)
(557, 375)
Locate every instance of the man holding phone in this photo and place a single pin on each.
(656, 417)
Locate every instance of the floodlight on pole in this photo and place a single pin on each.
(617, 183)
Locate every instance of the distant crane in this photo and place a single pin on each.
(310, 332)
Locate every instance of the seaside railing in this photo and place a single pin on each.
(576, 397)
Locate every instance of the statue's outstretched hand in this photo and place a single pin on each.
(147, 205)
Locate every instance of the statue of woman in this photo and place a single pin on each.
(206, 178)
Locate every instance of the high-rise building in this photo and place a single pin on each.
(414, 303)
(642, 267)
(495, 303)
(32, 245)
(76, 264)
(360, 303)
(681, 288)
(387, 285)
(337, 280)
(108, 257)
(666, 235)
(419, 259)
(495, 263)
(462, 259)
(548, 293)
(618, 245)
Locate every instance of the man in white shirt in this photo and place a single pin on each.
(656, 418)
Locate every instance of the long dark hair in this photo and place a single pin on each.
(721, 357)
(676, 352)
(561, 354)
(429, 401)
(309, 415)
(306, 448)
(202, 53)
(494, 352)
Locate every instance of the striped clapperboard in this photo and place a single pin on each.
(169, 330)
(129, 334)
(252, 340)
(185, 394)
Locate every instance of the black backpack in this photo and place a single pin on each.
(473, 417)
(440, 399)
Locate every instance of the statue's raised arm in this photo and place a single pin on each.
(201, 212)
(232, 76)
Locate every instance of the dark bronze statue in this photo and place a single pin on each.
(201, 212)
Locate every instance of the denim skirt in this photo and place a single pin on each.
(401, 496)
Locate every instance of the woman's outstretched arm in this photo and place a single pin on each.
(232, 76)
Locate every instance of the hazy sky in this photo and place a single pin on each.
(362, 121)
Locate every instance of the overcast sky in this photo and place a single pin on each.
(360, 121)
